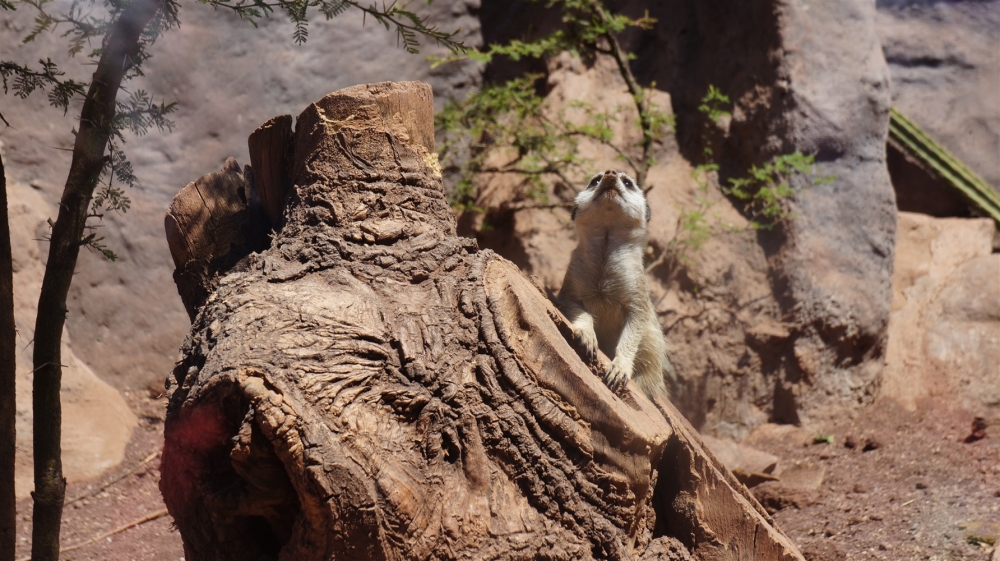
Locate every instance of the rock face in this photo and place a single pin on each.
(944, 335)
(97, 422)
(943, 61)
(126, 316)
(803, 76)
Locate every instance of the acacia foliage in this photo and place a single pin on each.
(513, 117)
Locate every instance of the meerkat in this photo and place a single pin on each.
(604, 294)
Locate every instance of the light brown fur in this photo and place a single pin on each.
(604, 294)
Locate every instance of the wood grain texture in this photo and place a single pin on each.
(209, 228)
(270, 157)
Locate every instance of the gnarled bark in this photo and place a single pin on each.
(372, 386)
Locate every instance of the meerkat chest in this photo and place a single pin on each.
(614, 265)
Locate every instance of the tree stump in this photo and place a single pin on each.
(372, 387)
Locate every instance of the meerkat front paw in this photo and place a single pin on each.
(618, 375)
(587, 341)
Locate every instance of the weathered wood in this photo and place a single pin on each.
(270, 157)
(208, 229)
(372, 386)
(702, 499)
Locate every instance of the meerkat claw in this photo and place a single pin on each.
(587, 342)
(616, 377)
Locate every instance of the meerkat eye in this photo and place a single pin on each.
(594, 181)
(628, 182)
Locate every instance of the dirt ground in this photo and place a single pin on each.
(129, 499)
(896, 485)
(910, 488)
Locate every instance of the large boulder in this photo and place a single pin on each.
(944, 335)
(808, 77)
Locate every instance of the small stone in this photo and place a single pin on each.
(775, 496)
(804, 474)
(978, 430)
(750, 466)
(866, 443)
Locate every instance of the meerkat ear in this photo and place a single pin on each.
(649, 213)
(576, 208)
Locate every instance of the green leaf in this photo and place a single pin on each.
(823, 438)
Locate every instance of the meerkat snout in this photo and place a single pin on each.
(604, 294)
(611, 192)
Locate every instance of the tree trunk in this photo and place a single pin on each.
(8, 370)
(120, 48)
(372, 386)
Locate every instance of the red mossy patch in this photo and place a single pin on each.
(184, 452)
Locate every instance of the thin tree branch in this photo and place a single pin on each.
(638, 95)
(132, 471)
(550, 169)
(120, 49)
(385, 16)
(8, 396)
(525, 205)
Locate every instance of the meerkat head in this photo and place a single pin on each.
(612, 196)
